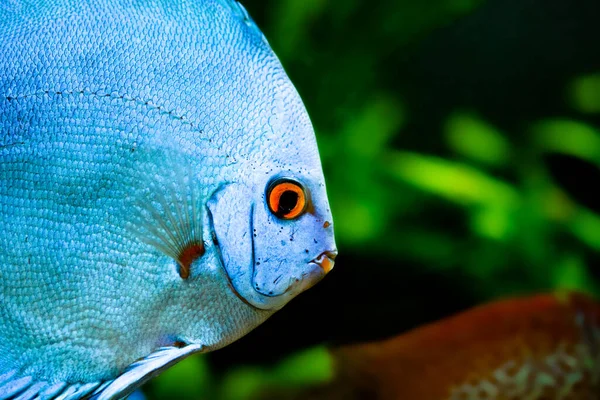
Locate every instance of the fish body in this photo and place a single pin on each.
(153, 160)
(544, 347)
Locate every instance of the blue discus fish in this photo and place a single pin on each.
(161, 192)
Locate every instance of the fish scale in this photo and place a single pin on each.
(130, 131)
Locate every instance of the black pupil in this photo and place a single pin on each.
(287, 202)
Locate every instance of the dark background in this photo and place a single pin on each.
(459, 140)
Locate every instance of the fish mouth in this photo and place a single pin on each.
(326, 260)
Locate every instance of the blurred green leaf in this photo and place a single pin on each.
(568, 136)
(368, 133)
(586, 226)
(474, 138)
(354, 157)
(454, 181)
(357, 221)
(571, 273)
(242, 383)
(311, 366)
(189, 379)
(492, 222)
(291, 22)
(585, 93)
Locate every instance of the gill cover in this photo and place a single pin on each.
(268, 259)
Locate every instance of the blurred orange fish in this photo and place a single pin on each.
(545, 347)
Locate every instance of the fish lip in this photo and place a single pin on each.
(325, 260)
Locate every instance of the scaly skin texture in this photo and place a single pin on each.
(120, 122)
(545, 347)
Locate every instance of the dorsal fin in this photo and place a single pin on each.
(14, 386)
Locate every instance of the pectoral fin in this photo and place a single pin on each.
(141, 371)
(14, 386)
(17, 387)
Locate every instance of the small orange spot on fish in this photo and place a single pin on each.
(188, 255)
(327, 224)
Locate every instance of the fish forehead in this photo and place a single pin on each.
(208, 77)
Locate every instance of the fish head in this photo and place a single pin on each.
(272, 222)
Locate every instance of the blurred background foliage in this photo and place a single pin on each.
(452, 133)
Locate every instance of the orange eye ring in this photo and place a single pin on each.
(286, 199)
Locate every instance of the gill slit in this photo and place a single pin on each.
(220, 256)
(253, 252)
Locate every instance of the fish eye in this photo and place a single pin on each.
(286, 199)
